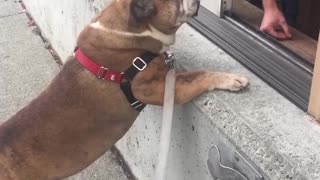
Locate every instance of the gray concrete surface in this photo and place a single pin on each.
(26, 69)
(26, 66)
(281, 139)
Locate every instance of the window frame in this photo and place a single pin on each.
(305, 94)
(314, 104)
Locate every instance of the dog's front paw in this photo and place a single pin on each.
(226, 81)
(237, 82)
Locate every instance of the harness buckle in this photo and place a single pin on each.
(139, 59)
(102, 72)
(137, 104)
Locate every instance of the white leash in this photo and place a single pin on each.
(167, 116)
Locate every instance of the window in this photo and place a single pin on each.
(287, 66)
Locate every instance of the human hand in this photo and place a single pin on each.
(275, 24)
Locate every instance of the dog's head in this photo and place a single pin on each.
(139, 24)
(165, 15)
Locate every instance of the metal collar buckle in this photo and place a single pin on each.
(138, 59)
(102, 72)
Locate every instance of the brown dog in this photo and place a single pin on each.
(79, 117)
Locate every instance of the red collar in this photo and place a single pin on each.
(100, 71)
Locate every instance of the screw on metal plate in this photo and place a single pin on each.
(170, 59)
(230, 164)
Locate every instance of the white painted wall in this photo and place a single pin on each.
(217, 7)
(213, 5)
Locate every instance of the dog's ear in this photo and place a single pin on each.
(142, 10)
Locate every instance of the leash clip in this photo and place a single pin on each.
(170, 59)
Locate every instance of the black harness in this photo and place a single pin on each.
(138, 64)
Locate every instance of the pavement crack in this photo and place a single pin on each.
(10, 15)
(37, 31)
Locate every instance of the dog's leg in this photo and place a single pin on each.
(149, 87)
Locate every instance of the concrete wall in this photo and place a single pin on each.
(192, 137)
(61, 21)
(275, 134)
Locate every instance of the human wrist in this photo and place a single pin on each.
(270, 5)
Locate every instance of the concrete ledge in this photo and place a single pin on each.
(277, 136)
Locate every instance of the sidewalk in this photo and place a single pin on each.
(26, 69)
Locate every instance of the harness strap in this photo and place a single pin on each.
(103, 73)
(139, 64)
(135, 104)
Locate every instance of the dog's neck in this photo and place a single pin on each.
(110, 42)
